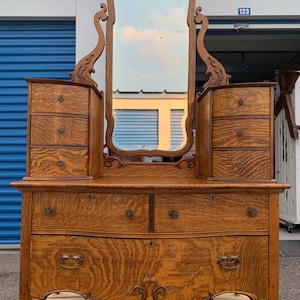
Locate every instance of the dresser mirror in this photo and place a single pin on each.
(151, 51)
(150, 77)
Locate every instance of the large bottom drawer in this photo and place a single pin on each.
(172, 269)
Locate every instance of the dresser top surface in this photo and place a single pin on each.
(149, 184)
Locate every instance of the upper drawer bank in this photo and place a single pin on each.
(63, 115)
(232, 119)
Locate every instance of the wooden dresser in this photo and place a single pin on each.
(99, 226)
(151, 230)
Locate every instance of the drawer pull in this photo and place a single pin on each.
(61, 130)
(70, 262)
(212, 198)
(129, 214)
(89, 197)
(60, 163)
(61, 98)
(173, 214)
(252, 212)
(240, 132)
(229, 262)
(239, 165)
(240, 101)
(49, 211)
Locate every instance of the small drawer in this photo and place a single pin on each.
(210, 213)
(241, 101)
(241, 164)
(58, 162)
(59, 130)
(241, 133)
(59, 98)
(112, 212)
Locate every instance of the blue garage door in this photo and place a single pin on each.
(40, 49)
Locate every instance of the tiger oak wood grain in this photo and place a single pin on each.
(112, 267)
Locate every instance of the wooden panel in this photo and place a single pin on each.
(110, 268)
(241, 133)
(59, 130)
(47, 162)
(241, 101)
(210, 213)
(91, 211)
(59, 98)
(242, 164)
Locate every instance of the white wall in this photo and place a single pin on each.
(258, 7)
(37, 8)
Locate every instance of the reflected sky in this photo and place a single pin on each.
(150, 46)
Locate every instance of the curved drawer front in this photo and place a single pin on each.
(91, 212)
(58, 162)
(241, 164)
(173, 268)
(59, 130)
(59, 98)
(241, 133)
(241, 101)
(211, 213)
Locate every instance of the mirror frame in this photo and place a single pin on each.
(191, 88)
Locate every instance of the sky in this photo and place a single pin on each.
(150, 46)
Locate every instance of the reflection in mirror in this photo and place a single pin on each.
(66, 295)
(150, 66)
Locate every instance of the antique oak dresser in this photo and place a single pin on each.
(98, 225)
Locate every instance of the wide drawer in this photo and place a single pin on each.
(59, 98)
(58, 162)
(241, 164)
(91, 212)
(211, 213)
(59, 130)
(241, 101)
(241, 133)
(117, 269)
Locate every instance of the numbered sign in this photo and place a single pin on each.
(244, 11)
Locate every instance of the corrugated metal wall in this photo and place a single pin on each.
(40, 49)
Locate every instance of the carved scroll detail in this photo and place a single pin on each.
(188, 162)
(84, 68)
(149, 289)
(109, 161)
(215, 70)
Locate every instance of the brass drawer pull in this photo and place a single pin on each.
(252, 212)
(70, 262)
(229, 262)
(173, 214)
(129, 214)
(212, 198)
(61, 130)
(49, 211)
(239, 165)
(240, 101)
(61, 98)
(60, 163)
(240, 132)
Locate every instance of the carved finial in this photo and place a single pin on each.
(84, 68)
(215, 70)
